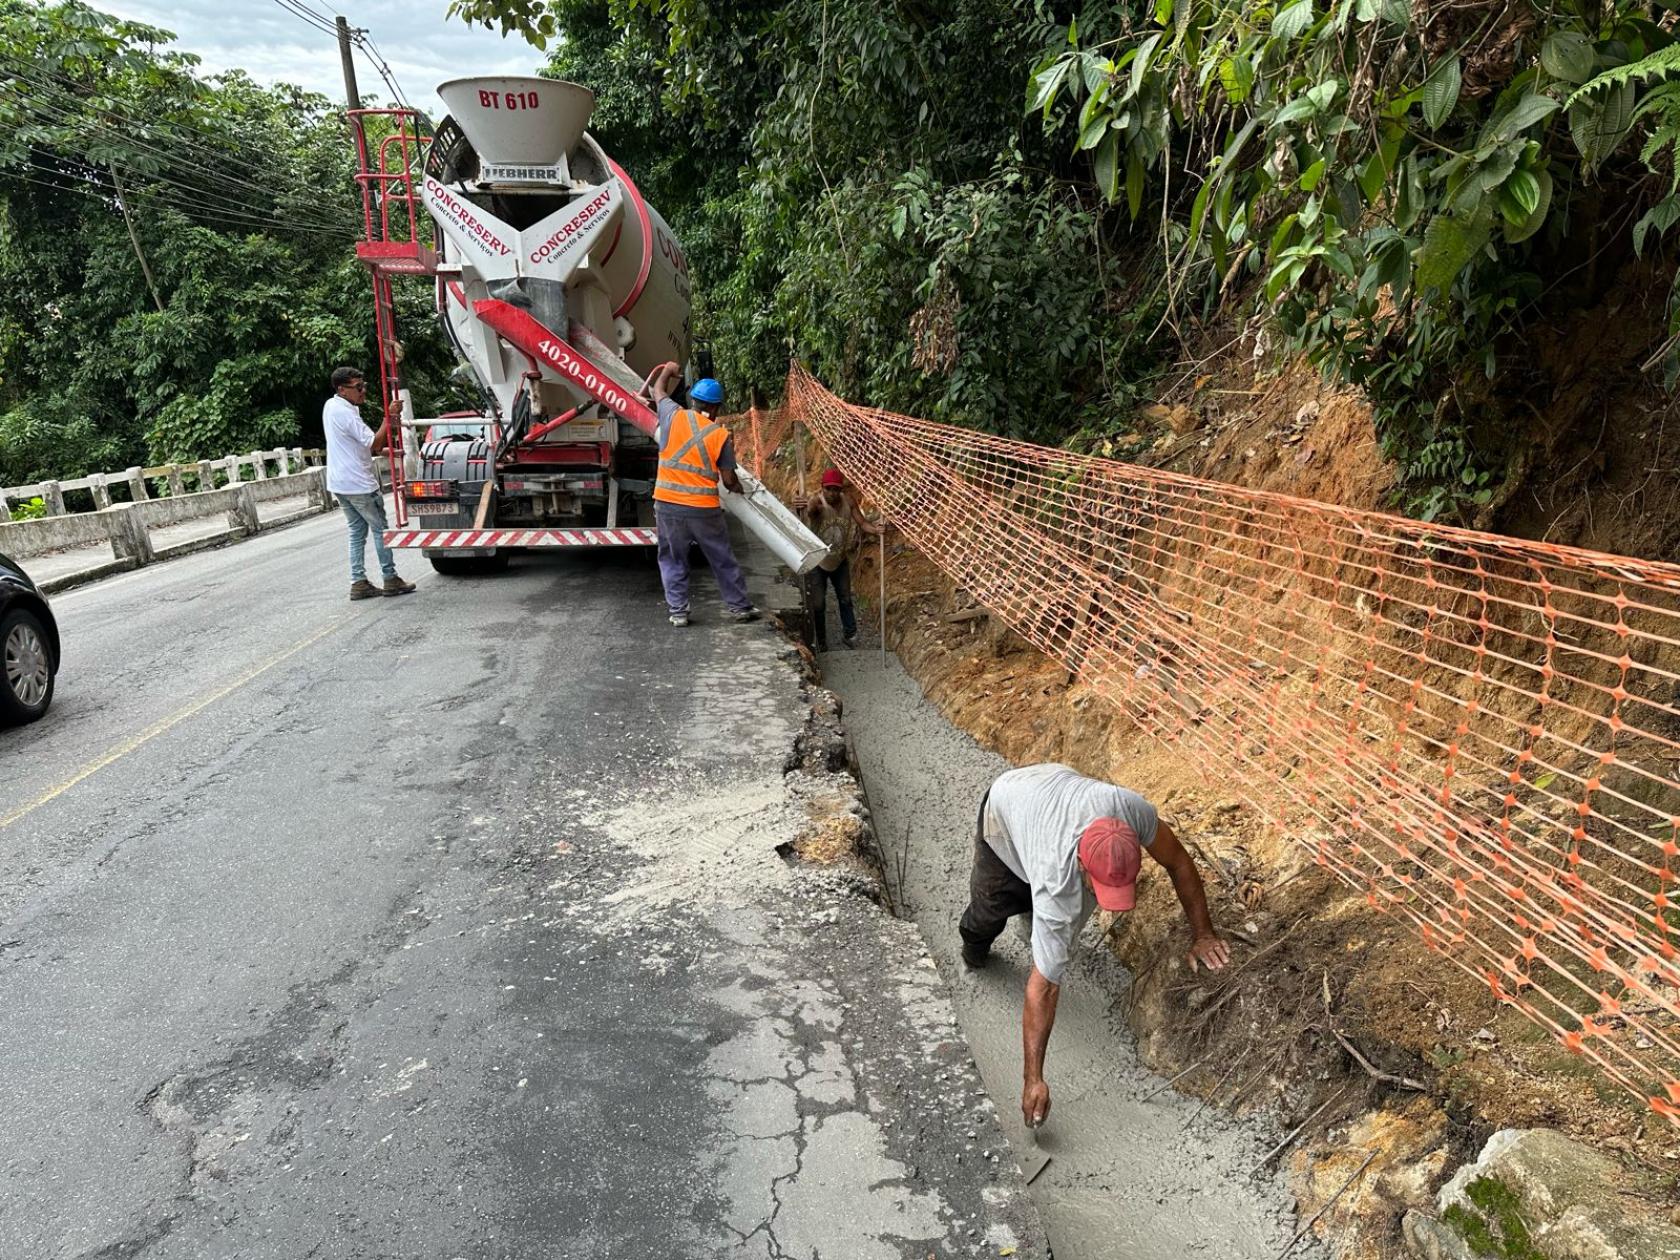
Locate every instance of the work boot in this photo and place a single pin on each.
(850, 640)
(364, 589)
(394, 585)
(679, 620)
(742, 615)
(975, 955)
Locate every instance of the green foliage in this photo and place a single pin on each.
(243, 202)
(852, 184)
(30, 510)
(531, 19)
(1398, 189)
(1493, 1226)
(1387, 182)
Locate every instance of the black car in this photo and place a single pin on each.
(28, 647)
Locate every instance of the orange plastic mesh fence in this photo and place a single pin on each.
(1478, 733)
(757, 433)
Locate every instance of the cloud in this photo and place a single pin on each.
(274, 45)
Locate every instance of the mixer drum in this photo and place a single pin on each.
(526, 126)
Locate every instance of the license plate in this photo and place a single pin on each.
(452, 508)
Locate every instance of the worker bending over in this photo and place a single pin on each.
(695, 454)
(1053, 844)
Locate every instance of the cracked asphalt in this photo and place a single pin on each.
(455, 925)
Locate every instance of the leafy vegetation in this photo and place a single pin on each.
(1399, 189)
(857, 183)
(241, 201)
(1399, 186)
(1006, 213)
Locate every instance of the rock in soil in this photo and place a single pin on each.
(1535, 1194)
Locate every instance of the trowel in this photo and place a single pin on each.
(1036, 1161)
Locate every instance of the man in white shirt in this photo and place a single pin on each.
(350, 476)
(1054, 845)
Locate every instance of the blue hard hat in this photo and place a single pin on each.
(706, 390)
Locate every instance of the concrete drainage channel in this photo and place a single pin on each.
(1136, 1169)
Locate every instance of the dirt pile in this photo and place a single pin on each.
(1287, 431)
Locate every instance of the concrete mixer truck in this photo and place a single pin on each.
(561, 291)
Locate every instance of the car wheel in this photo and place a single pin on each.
(26, 676)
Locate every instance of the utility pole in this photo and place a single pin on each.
(133, 236)
(352, 98)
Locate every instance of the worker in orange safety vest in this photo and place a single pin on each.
(696, 454)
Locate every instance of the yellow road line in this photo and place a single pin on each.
(158, 728)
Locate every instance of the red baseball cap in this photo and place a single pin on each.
(833, 477)
(1111, 855)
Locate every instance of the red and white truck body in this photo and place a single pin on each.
(561, 291)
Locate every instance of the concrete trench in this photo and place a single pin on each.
(1137, 1170)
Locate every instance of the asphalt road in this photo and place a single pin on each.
(450, 926)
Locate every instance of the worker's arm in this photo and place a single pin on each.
(1038, 1017)
(381, 437)
(1206, 949)
(726, 468)
(873, 528)
(665, 381)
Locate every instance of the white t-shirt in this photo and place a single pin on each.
(1034, 818)
(349, 448)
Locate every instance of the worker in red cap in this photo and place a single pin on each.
(1053, 844)
(835, 519)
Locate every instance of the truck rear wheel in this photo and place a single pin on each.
(470, 566)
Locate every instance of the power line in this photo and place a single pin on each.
(192, 206)
(224, 200)
(325, 19)
(313, 19)
(57, 113)
(42, 78)
(213, 199)
(364, 41)
(359, 36)
(49, 80)
(226, 219)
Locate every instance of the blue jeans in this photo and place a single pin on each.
(677, 531)
(365, 512)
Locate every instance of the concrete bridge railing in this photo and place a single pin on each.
(236, 486)
(206, 474)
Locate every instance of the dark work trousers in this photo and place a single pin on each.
(995, 893)
(816, 592)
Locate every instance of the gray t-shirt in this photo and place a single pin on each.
(668, 407)
(1034, 818)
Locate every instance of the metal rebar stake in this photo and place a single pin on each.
(882, 539)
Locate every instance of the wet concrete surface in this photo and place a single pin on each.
(453, 926)
(1137, 1170)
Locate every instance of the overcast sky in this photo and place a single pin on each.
(274, 45)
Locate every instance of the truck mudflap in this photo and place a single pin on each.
(477, 539)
